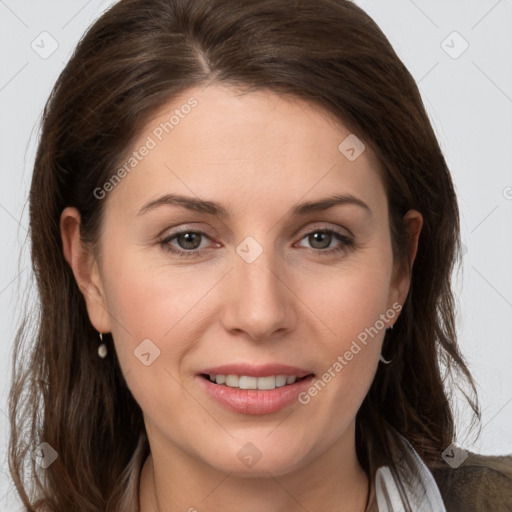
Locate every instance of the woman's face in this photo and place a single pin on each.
(266, 282)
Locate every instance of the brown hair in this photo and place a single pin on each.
(136, 57)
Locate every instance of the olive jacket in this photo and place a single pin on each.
(479, 483)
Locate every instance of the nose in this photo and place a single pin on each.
(259, 300)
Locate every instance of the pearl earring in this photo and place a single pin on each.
(102, 349)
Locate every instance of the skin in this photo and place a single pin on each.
(258, 154)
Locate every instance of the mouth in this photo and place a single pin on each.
(265, 383)
(263, 392)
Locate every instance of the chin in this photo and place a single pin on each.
(259, 458)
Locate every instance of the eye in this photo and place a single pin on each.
(321, 239)
(188, 240)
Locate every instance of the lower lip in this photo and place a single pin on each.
(256, 401)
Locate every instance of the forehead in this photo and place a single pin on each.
(219, 140)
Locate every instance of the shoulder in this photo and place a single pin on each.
(481, 483)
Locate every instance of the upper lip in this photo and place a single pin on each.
(251, 370)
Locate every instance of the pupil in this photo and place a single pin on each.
(320, 236)
(189, 239)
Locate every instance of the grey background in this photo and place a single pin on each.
(469, 101)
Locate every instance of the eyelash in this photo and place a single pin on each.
(347, 243)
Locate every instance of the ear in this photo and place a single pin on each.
(402, 277)
(85, 269)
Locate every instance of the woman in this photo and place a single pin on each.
(243, 231)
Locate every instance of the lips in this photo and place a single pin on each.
(280, 386)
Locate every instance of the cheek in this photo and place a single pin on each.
(349, 351)
(348, 299)
(158, 316)
(352, 305)
(147, 298)
(152, 334)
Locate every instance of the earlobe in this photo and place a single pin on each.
(85, 269)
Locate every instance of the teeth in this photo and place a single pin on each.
(246, 382)
(267, 382)
(280, 381)
(232, 381)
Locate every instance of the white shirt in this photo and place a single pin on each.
(413, 489)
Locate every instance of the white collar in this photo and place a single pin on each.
(414, 489)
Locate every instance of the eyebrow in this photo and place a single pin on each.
(216, 209)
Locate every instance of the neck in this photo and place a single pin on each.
(334, 481)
